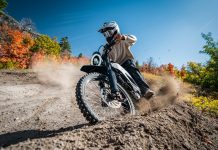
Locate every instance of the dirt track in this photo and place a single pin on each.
(27, 107)
(37, 115)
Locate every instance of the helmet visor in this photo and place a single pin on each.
(108, 33)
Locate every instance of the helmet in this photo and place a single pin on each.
(109, 29)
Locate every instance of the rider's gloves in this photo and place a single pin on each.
(119, 37)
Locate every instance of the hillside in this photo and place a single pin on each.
(179, 126)
(39, 115)
(6, 18)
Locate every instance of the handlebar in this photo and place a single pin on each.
(109, 45)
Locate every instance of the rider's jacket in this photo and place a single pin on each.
(121, 51)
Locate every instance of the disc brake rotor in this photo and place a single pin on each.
(110, 103)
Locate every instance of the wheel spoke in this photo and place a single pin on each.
(94, 97)
(95, 94)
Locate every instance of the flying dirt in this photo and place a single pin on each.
(38, 110)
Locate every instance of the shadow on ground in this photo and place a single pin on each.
(20, 136)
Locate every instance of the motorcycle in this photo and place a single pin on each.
(95, 91)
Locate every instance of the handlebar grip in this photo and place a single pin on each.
(109, 45)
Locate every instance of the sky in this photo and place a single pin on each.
(169, 31)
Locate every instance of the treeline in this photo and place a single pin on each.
(3, 4)
(203, 74)
(19, 49)
(21, 46)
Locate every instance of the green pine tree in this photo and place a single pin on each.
(137, 64)
(65, 45)
(3, 4)
(80, 55)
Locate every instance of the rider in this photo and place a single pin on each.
(122, 55)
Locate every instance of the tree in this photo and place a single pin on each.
(183, 72)
(211, 48)
(195, 73)
(65, 45)
(205, 75)
(151, 64)
(171, 69)
(3, 4)
(14, 46)
(137, 64)
(80, 55)
(45, 44)
(27, 24)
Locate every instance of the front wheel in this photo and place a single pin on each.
(93, 97)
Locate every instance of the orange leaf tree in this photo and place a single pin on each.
(171, 69)
(15, 47)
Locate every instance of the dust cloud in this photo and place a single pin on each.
(65, 75)
(166, 92)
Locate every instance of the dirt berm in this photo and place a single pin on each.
(178, 126)
(35, 115)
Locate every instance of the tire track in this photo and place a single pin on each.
(34, 118)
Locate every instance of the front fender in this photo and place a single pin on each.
(91, 68)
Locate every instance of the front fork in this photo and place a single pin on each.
(112, 77)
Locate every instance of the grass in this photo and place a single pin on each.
(206, 104)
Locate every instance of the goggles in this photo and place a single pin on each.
(108, 33)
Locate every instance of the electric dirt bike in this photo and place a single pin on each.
(95, 90)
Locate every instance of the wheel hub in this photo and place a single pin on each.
(107, 101)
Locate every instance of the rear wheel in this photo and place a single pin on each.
(93, 97)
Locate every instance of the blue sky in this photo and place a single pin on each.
(167, 30)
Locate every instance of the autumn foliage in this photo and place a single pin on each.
(19, 50)
(14, 46)
(169, 69)
(42, 57)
